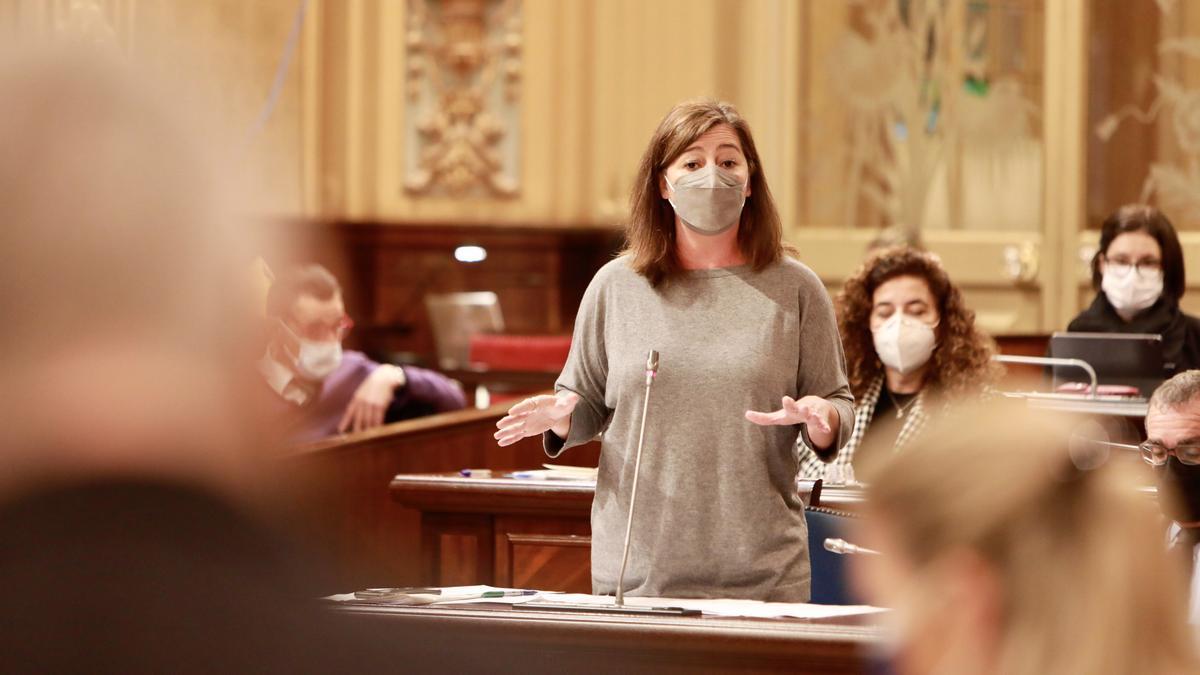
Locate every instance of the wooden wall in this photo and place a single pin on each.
(539, 274)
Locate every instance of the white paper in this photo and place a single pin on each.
(730, 607)
(726, 606)
(451, 595)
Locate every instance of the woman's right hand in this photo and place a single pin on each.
(537, 415)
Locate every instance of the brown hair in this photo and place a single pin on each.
(651, 229)
(961, 362)
(1077, 553)
(312, 280)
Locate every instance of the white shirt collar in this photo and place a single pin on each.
(1174, 534)
(281, 379)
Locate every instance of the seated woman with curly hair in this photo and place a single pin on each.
(911, 346)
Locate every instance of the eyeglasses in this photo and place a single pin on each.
(1144, 268)
(1156, 454)
(319, 331)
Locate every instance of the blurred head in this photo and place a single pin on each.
(894, 297)
(310, 320)
(1173, 446)
(120, 275)
(1003, 552)
(1138, 246)
(699, 136)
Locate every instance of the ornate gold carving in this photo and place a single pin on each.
(462, 86)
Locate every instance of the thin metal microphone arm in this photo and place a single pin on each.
(651, 371)
(843, 547)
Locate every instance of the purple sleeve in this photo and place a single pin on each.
(430, 390)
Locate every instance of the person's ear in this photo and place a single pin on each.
(663, 188)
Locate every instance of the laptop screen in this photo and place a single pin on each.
(1134, 359)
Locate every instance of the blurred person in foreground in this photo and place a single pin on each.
(912, 348)
(1172, 447)
(319, 389)
(1009, 546)
(130, 540)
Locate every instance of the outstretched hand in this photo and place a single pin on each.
(537, 415)
(818, 414)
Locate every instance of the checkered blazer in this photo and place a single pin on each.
(812, 467)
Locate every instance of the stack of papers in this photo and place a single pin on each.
(724, 606)
(449, 595)
(559, 472)
(727, 607)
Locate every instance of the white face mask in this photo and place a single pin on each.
(904, 343)
(1132, 292)
(316, 360)
(709, 201)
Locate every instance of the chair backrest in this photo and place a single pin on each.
(829, 585)
(540, 353)
(455, 317)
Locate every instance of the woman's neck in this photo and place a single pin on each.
(1126, 315)
(707, 251)
(905, 383)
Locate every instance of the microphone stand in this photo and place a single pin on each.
(620, 607)
(651, 371)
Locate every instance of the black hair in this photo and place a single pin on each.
(1144, 218)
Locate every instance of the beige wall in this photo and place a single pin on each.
(594, 78)
(221, 54)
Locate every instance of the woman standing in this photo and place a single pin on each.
(740, 327)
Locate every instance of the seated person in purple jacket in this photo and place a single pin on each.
(320, 390)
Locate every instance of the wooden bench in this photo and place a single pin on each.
(339, 487)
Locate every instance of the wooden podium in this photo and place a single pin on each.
(514, 532)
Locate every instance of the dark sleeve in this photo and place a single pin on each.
(425, 392)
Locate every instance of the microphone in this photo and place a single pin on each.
(651, 371)
(843, 547)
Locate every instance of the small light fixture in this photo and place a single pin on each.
(470, 254)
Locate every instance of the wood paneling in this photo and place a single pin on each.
(539, 274)
(346, 509)
(540, 529)
(561, 560)
(499, 639)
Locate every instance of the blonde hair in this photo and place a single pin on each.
(1079, 556)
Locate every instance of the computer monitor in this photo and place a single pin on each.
(1133, 359)
(455, 317)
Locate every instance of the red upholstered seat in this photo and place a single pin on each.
(543, 353)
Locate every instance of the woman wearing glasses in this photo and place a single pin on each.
(1139, 278)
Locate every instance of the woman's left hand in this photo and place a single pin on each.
(818, 414)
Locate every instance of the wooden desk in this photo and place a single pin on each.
(341, 487)
(498, 639)
(515, 533)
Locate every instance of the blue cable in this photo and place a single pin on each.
(289, 50)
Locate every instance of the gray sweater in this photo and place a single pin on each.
(717, 510)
